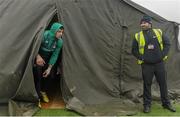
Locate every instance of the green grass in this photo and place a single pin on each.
(156, 110)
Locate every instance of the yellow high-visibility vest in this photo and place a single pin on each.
(141, 42)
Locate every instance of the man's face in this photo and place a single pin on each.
(59, 33)
(145, 25)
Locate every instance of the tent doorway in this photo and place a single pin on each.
(54, 94)
(53, 82)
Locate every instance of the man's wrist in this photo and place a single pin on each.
(50, 66)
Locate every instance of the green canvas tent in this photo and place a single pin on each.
(100, 75)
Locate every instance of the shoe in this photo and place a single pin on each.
(39, 103)
(147, 109)
(44, 97)
(169, 107)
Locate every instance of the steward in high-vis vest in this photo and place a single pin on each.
(150, 47)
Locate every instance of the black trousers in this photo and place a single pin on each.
(148, 72)
(39, 80)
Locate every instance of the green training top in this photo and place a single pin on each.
(50, 44)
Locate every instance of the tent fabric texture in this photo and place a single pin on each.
(100, 75)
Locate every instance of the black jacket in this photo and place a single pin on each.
(155, 55)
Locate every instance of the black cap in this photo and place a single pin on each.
(147, 19)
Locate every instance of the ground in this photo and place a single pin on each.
(156, 110)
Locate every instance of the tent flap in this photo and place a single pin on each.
(100, 75)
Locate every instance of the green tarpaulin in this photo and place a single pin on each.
(100, 75)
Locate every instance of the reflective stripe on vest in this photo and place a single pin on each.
(141, 42)
(158, 33)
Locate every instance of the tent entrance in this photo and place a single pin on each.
(53, 82)
(54, 94)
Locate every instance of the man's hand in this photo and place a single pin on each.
(40, 61)
(47, 71)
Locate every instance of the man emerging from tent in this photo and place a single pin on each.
(47, 56)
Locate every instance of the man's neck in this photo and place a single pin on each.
(147, 30)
